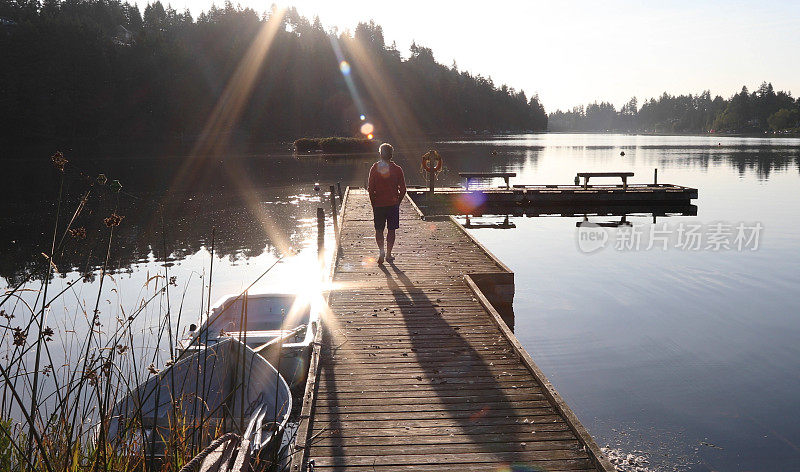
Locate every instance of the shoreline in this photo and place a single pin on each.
(112, 151)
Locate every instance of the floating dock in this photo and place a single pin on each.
(458, 200)
(415, 368)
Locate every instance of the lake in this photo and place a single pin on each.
(676, 341)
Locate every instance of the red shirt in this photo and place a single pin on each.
(387, 184)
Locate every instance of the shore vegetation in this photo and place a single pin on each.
(761, 111)
(336, 145)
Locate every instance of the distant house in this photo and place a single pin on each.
(123, 37)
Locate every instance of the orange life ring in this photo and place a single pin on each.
(427, 160)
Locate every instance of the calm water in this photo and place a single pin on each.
(691, 356)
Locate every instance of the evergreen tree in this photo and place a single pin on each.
(743, 112)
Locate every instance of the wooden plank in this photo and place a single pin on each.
(454, 402)
(392, 380)
(409, 371)
(473, 467)
(504, 421)
(387, 360)
(387, 406)
(447, 431)
(441, 394)
(331, 448)
(430, 389)
(539, 440)
(412, 370)
(488, 414)
(531, 458)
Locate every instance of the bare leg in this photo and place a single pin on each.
(390, 235)
(379, 240)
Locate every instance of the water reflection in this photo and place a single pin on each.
(523, 154)
(470, 223)
(160, 223)
(623, 221)
(165, 221)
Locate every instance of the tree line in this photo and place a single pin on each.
(763, 110)
(101, 71)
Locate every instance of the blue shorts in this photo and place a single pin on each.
(386, 215)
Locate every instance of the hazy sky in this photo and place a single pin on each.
(576, 52)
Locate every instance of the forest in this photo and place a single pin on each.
(102, 71)
(763, 110)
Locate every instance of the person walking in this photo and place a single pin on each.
(386, 187)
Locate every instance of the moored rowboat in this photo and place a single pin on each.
(211, 390)
(278, 326)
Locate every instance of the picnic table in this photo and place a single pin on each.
(486, 175)
(586, 175)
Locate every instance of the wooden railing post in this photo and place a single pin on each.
(320, 231)
(333, 210)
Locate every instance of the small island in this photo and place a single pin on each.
(336, 145)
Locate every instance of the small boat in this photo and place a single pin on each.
(278, 326)
(210, 391)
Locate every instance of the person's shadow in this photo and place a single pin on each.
(486, 413)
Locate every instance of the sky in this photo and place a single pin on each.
(577, 52)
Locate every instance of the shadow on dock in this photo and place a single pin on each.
(334, 426)
(455, 368)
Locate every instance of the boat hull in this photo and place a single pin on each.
(208, 391)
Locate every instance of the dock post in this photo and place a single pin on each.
(333, 201)
(431, 180)
(320, 231)
(655, 176)
(339, 188)
(333, 210)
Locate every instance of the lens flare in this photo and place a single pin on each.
(213, 141)
(363, 117)
(367, 128)
(404, 126)
(344, 66)
(370, 136)
(351, 86)
(468, 203)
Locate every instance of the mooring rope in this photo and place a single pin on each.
(196, 460)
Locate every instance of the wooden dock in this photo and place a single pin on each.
(416, 370)
(458, 200)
